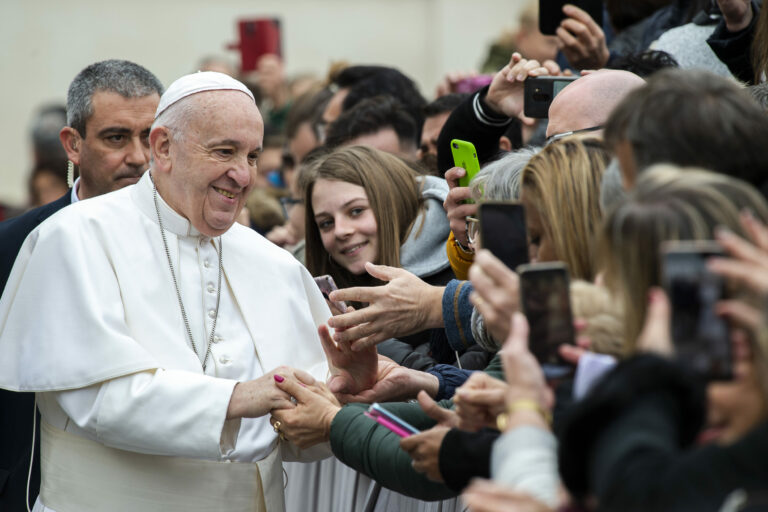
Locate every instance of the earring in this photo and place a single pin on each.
(70, 174)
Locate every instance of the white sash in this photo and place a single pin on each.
(81, 475)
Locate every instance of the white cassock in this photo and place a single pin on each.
(90, 321)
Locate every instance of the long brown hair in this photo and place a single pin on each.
(393, 194)
(563, 183)
(760, 47)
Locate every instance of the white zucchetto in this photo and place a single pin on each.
(199, 82)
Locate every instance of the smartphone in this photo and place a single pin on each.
(551, 13)
(327, 285)
(539, 92)
(699, 335)
(465, 156)
(503, 232)
(391, 421)
(545, 299)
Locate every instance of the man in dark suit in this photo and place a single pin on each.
(110, 108)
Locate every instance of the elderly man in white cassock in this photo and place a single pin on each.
(152, 327)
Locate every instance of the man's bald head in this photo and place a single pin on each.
(588, 101)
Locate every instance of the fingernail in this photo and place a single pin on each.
(302, 384)
(278, 378)
(748, 213)
(521, 76)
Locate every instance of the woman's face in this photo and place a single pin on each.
(540, 247)
(346, 223)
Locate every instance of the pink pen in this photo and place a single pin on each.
(389, 425)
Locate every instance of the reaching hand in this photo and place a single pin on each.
(496, 293)
(403, 306)
(506, 93)
(351, 372)
(255, 398)
(395, 383)
(309, 422)
(424, 449)
(581, 40)
(479, 401)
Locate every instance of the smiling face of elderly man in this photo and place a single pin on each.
(205, 150)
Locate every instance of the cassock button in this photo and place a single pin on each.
(225, 360)
(211, 313)
(210, 288)
(207, 264)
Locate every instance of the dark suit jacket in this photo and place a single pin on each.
(16, 408)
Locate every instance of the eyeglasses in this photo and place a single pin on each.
(288, 203)
(473, 225)
(558, 136)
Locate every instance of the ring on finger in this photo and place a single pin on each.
(276, 426)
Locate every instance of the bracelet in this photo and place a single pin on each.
(522, 404)
(465, 250)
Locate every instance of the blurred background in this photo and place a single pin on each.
(45, 43)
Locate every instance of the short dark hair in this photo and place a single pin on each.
(366, 82)
(644, 64)
(120, 76)
(693, 118)
(444, 104)
(369, 116)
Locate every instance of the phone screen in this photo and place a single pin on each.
(503, 232)
(551, 13)
(327, 285)
(700, 336)
(546, 302)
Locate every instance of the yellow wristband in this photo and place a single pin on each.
(523, 404)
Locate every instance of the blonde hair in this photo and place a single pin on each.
(604, 317)
(393, 194)
(668, 203)
(562, 182)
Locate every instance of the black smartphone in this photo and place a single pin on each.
(502, 231)
(700, 336)
(545, 298)
(551, 13)
(539, 92)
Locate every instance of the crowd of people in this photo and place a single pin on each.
(145, 367)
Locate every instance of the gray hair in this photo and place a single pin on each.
(176, 117)
(612, 191)
(120, 76)
(500, 180)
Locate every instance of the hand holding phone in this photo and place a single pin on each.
(539, 93)
(465, 156)
(700, 337)
(328, 285)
